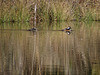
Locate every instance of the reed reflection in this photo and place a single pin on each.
(50, 52)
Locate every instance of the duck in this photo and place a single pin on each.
(33, 29)
(68, 29)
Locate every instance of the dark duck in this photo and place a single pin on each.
(33, 29)
(67, 30)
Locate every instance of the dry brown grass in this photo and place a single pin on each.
(23, 10)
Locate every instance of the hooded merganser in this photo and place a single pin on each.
(67, 29)
(33, 29)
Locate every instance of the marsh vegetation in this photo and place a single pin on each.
(49, 10)
(49, 51)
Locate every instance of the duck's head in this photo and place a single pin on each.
(69, 28)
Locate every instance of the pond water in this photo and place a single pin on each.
(49, 51)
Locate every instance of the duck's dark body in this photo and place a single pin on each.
(33, 29)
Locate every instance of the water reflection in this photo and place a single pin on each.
(51, 52)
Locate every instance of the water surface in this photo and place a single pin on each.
(48, 52)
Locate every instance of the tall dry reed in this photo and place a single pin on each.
(49, 10)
